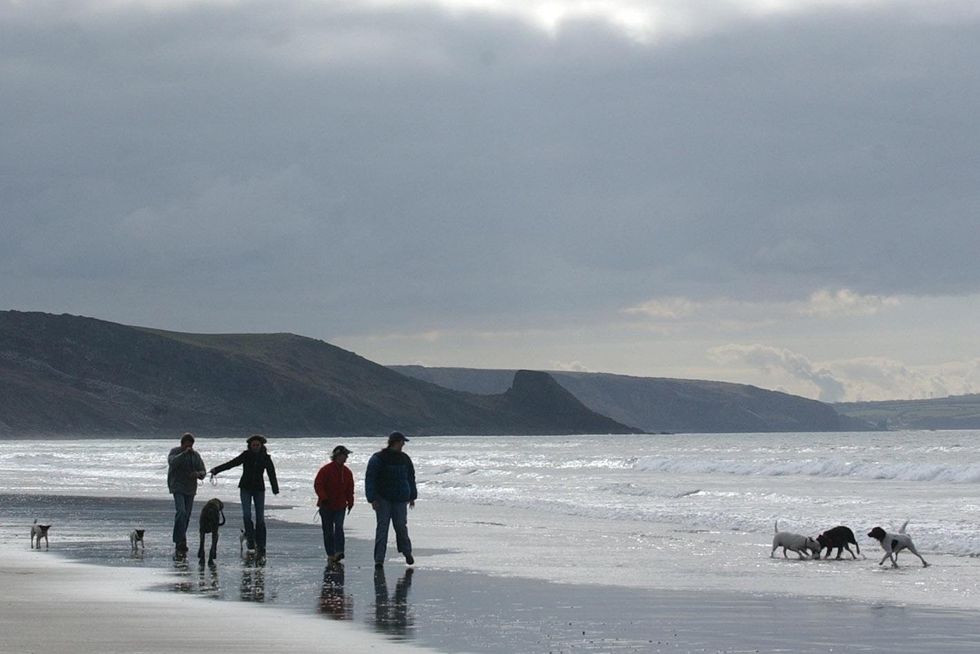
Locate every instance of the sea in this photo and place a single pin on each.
(555, 543)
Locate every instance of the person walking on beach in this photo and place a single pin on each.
(334, 486)
(255, 461)
(389, 484)
(184, 468)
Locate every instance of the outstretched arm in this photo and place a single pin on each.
(237, 461)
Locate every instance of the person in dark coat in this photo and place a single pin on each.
(389, 484)
(184, 468)
(255, 461)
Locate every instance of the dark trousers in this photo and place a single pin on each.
(183, 504)
(332, 523)
(254, 533)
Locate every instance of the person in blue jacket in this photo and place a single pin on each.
(254, 462)
(389, 484)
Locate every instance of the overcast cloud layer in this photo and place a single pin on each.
(776, 193)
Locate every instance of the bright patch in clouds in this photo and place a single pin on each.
(823, 304)
(846, 303)
(671, 308)
(641, 20)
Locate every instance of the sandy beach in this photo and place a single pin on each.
(54, 605)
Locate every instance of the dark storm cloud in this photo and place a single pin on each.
(343, 169)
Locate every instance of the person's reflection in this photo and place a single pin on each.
(184, 584)
(334, 602)
(253, 584)
(391, 614)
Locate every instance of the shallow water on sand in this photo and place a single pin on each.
(458, 611)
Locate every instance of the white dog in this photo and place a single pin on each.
(796, 542)
(895, 543)
(136, 539)
(37, 533)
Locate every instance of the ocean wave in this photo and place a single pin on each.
(836, 468)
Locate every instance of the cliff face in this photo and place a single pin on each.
(69, 374)
(665, 405)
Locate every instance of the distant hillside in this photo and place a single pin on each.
(665, 405)
(957, 412)
(69, 374)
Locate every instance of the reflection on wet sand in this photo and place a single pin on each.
(391, 612)
(334, 602)
(253, 584)
(206, 583)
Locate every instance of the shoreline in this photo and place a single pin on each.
(112, 606)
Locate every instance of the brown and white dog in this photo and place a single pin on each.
(37, 533)
(136, 539)
(895, 543)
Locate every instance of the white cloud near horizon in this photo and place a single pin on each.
(854, 380)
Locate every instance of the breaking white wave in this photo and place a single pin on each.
(829, 467)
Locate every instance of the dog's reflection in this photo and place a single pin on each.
(334, 602)
(207, 580)
(253, 584)
(391, 612)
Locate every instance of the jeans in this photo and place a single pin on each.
(397, 514)
(332, 523)
(184, 504)
(254, 534)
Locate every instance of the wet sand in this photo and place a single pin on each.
(395, 609)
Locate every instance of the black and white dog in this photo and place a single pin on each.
(37, 533)
(212, 517)
(895, 543)
(136, 539)
(840, 537)
(796, 542)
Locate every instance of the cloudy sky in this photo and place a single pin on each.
(783, 193)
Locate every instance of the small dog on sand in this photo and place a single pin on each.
(895, 543)
(136, 539)
(37, 533)
(212, 517)
(796, 542)
(840, 537)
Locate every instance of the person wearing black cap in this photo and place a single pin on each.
(389, 484)
(254, 462)
(184, 468)
(334, 486)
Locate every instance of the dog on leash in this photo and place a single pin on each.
(895, 543)
(212, 517)
(37, 533)
(796, 542)
(840, 537)
(136, 539)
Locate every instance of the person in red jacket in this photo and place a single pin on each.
(334, 486)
